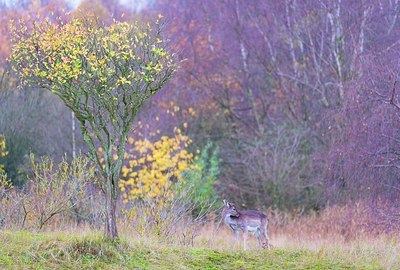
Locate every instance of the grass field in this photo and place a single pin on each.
(87, 250)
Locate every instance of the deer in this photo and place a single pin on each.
(246, 221)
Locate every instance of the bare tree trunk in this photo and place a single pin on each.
(295, 64)
(73, 135)
(337, 41)
(395, 8)
(247, 73)
(111, 206)
(359, 49)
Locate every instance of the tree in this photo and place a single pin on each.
(281, 77)
(103, 73)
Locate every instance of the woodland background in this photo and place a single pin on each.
(297, 98)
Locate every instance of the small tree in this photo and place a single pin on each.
(103, 74)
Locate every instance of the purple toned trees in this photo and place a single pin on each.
(287, 81)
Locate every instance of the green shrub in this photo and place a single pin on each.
(202, 179)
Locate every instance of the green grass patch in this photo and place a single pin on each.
(25, 250)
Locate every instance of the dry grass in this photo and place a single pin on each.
(346, 237)
(85, 249)
(348, 233)
(355, 221)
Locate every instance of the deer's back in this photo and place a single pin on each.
(249, 220)
(252, 214)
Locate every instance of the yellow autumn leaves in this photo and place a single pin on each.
(153, 168)
(83, 52)
(3, 151)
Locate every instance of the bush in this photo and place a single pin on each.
(172, 221)
(3, 150)
(166, 193)
(202, 178)
(51, 191)
(275, 170)
(153, 169)
(6, 201)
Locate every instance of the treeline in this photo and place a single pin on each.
(296, 93)
(299, 97)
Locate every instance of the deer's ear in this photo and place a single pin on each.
(225, 202)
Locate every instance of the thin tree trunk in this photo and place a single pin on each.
(337, 42)
(73, 135)
(111, 206)
(246, 81)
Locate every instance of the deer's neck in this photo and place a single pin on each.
(231, 219)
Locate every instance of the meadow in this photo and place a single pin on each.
(297, 245)
(87, 250)
(124, 124)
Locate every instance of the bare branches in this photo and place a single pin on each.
(392, 98)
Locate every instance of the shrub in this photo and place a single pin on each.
(172, 221)
(153, 169)
(51, 191)
(203, 175)
(166, 191)
(55, 189)
(3, 151)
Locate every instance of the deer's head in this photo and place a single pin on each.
(230, 209)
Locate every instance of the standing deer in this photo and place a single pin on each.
(246, 221)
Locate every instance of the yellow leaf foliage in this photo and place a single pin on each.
(153, 168)
(72, 57)
(3, 151)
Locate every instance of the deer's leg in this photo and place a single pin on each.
(258, 235)
(265, 232)
(236, 236)
(244, 239)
